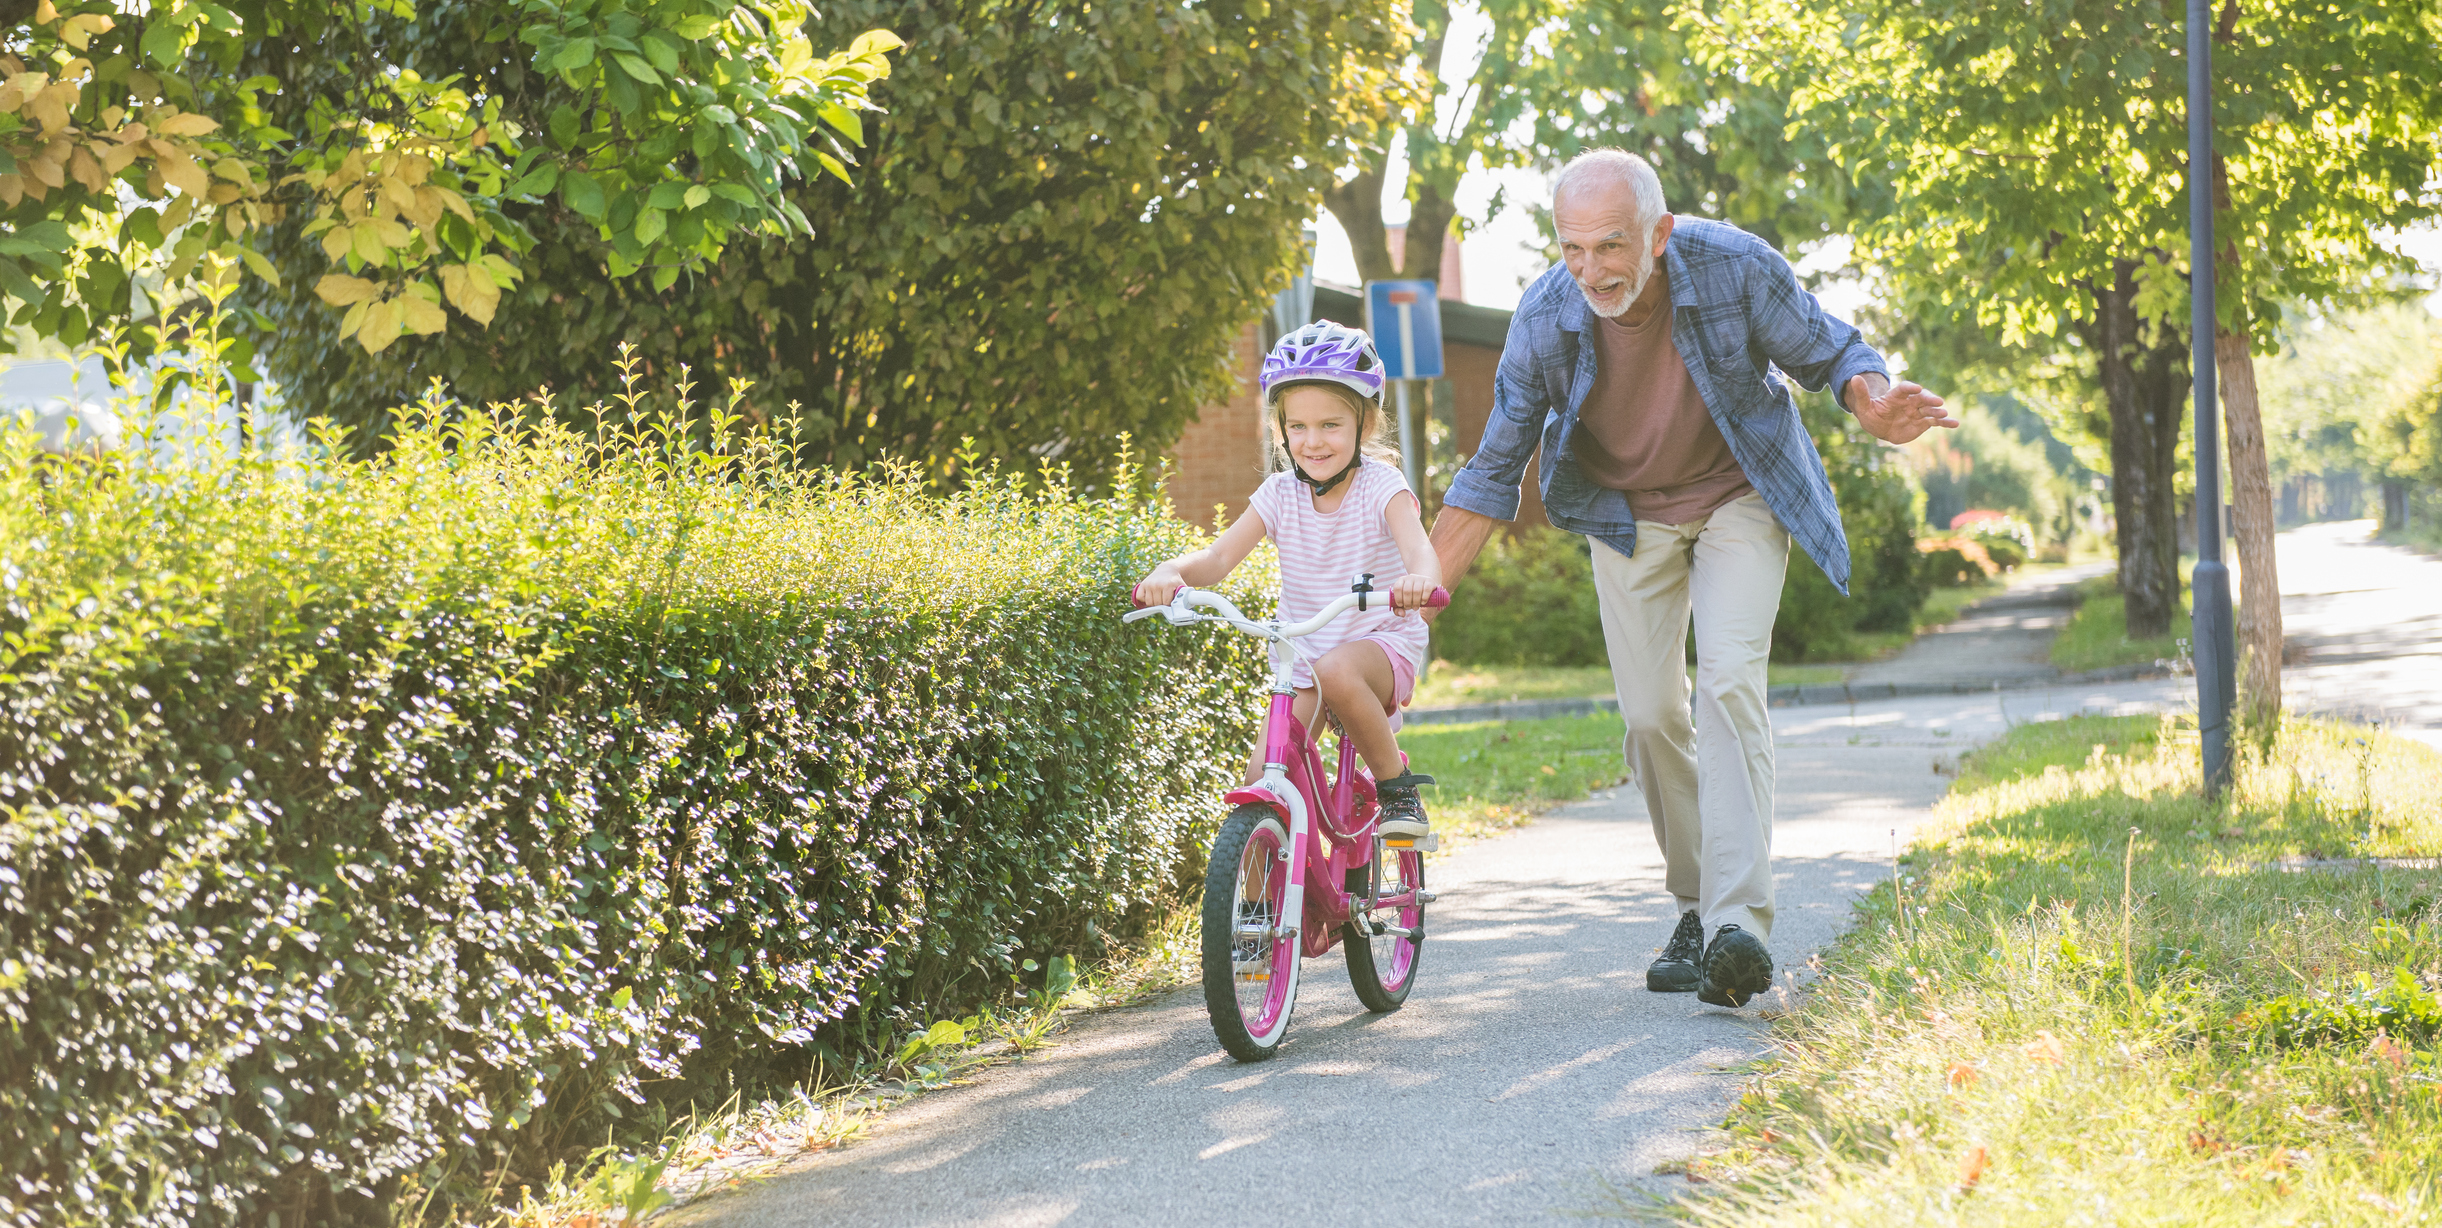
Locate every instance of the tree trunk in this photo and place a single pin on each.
(2144, 378)
(1429, 219)
(1357, 206)
(2259, 613)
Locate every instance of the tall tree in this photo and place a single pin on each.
(1558, 76)
(1064, 218)
(136, 140)
(2035, 159)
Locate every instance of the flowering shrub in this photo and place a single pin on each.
(376, 829)
(1950, 562)
(2006, 539)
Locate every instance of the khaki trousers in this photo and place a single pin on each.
(1707, 780)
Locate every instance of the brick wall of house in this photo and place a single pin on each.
(1219, 458)
(1469, 369)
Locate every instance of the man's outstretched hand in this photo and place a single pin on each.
(1895, 413)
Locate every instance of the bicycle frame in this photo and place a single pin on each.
(1330, 819)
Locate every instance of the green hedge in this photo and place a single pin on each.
(1528, 600)
(372, 831)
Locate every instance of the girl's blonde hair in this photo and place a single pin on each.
(1373, 437)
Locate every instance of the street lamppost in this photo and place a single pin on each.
(2214, 650)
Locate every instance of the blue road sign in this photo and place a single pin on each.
(1405, 319)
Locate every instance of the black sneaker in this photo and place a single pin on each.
(1676, 971)
(1736, 968)
(1403, 813)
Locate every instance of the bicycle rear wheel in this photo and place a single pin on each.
(1250, 947)
(1382, 966)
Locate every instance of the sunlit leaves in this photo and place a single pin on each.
(401, 170)
(2028, 148)
(420, 815)
(1054, 237)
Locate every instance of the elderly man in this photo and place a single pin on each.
(1649, 370)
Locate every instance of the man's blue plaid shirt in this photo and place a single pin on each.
(1740, 323)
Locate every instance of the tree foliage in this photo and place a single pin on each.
(1065, 217)
(2358, 392)
(134, 144)
(2035, 160)
(1556, 77)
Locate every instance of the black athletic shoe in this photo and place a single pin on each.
(1403, 813)
(1736, 968)
(1676, 971)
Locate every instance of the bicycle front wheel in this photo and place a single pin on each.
(1250, 946)
(1381, 960)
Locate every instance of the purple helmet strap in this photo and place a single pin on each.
(1323, 486)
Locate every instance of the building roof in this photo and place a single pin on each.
(1461, 323)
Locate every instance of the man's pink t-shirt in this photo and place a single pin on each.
(1321, 554)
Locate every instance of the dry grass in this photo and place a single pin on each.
(2052, 1018)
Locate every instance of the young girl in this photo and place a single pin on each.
(1336, 513)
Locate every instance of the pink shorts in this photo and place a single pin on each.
(1403, 682)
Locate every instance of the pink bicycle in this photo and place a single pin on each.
(1298, 866)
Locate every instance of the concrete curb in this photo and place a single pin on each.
(1787, 696)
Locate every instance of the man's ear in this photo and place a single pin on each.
(1661, 232)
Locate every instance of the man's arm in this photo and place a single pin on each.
(1488, 484)
(1817, 348)
(1487, 489)
(1458, 536)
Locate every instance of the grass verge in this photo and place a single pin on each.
(2096, 636)
(1492, 776)
(2091, 996)
(1448, 685)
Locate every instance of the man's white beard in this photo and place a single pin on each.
(1634, 290)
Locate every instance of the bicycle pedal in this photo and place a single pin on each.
(1431, 843)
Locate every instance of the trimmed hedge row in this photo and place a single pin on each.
(372, 831)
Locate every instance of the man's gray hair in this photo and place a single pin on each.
(1596, 166)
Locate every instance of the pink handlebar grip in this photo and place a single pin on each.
(1136, 597)
(1440, 598)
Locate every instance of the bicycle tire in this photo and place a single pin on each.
(1250, 983)
(1382, 967)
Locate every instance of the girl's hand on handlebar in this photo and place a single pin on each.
(1158, 588)
(1410, 593)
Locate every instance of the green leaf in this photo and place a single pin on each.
(47, 234)
(696, 27)
(262, 268)
(574, 54)
(162, 42)
(844, 120)
(17, 284)
(564, 126)
(634, 66)
(665, 277)
(537, 182)
(580, 192)
(650, 224)
(738, 193)
(696, 195)
(662, 50)
(668, 194)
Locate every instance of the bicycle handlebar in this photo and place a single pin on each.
(1180, 611)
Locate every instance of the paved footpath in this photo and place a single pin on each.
(2006, 638)
(1531, 1077)
(1530, 1072)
